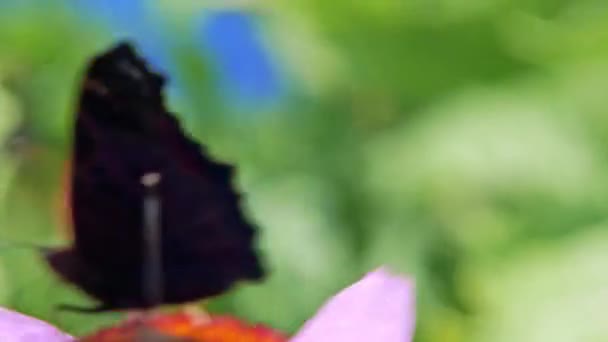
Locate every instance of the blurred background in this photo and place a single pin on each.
(463, 142)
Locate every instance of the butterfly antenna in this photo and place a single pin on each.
(25, 246)
(152, 273)
(82, 309)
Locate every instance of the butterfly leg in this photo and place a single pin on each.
(82, 309)
(197, 313)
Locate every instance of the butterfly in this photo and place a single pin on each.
(156, 220)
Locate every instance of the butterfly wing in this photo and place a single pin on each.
(122, 133)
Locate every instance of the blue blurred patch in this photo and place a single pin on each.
(122, 14)
(132, 21)
(247, 74)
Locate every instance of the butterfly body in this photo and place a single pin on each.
(123, 133)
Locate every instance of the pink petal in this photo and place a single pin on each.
(380, 307)
(15, 327)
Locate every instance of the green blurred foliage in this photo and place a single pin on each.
(462, 142)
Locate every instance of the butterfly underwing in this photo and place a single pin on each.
(123, 133)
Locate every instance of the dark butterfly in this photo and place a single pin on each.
(128, 148)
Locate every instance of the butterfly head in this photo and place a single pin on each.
(124, 76)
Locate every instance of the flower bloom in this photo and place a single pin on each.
(15, 327)
(380, 307)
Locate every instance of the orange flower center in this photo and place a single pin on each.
(184, 327)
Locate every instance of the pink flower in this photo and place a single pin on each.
(380, 307)
(15, 327)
